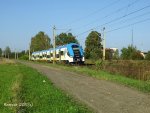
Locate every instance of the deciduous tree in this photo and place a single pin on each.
(148, 56)
(116, 55)
(131, 53)
(1, 52)
(7, 51)
(65, 38)
(40, 41)
(93, 47)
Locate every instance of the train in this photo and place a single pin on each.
(69, 53)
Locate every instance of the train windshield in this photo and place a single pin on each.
(76, 51)
(75, 46)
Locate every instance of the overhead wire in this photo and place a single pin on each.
(116, 19)
(138, 16)
(108, 15)
(94, 12)
(141, 21)
(62, 29)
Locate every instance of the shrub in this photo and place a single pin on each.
(24, 57)
(148, 56)
(99, 64)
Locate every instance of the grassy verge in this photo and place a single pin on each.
(30, 92)
(143, 86)
(10, 77)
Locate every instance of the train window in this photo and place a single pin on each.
(51, 54)
(61, 53)
(48, 56)
(68, 53)
(75, 46)
(57, 55)
(44, 55)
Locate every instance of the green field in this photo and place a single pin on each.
(24, 90)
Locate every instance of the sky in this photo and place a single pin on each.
(20, 20)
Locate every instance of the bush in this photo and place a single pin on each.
(24, 57)
(99, 64)
(131, 53)
(129, 68)
(148, 56)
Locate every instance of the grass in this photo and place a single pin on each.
(143, 86)
(139, 70)
(33, 93)
(9, 75)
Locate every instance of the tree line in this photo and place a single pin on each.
(7, 53)
(42, 41)
(93, 47)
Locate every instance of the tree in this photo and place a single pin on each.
(108, 54)
(93, 47)
(116, 55)
(65, 38)
(1, 52)
(7, 52)
(148, 56)
(111, 54)
(40, 41)
(23, 55)
(137, 55)
(131, 53)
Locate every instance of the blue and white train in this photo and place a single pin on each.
(69, 53)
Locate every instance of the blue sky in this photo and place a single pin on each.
(22, 19)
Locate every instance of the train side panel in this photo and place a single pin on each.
(71, 53)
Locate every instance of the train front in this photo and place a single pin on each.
(76, 53)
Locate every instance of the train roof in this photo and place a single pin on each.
(59, 47)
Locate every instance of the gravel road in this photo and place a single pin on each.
(100, 95)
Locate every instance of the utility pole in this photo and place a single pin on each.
(104, 43)
(5, 54)
(15, 54)
(29, 51)
(54, 45)
(8, 55)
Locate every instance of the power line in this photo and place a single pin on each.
(141, 21)
(99, 10)
(138, 16)
(68, 31)
(84, 32)
(118, 10)
(116, 19)
(61, 29)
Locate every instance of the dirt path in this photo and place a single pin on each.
(102, 96)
